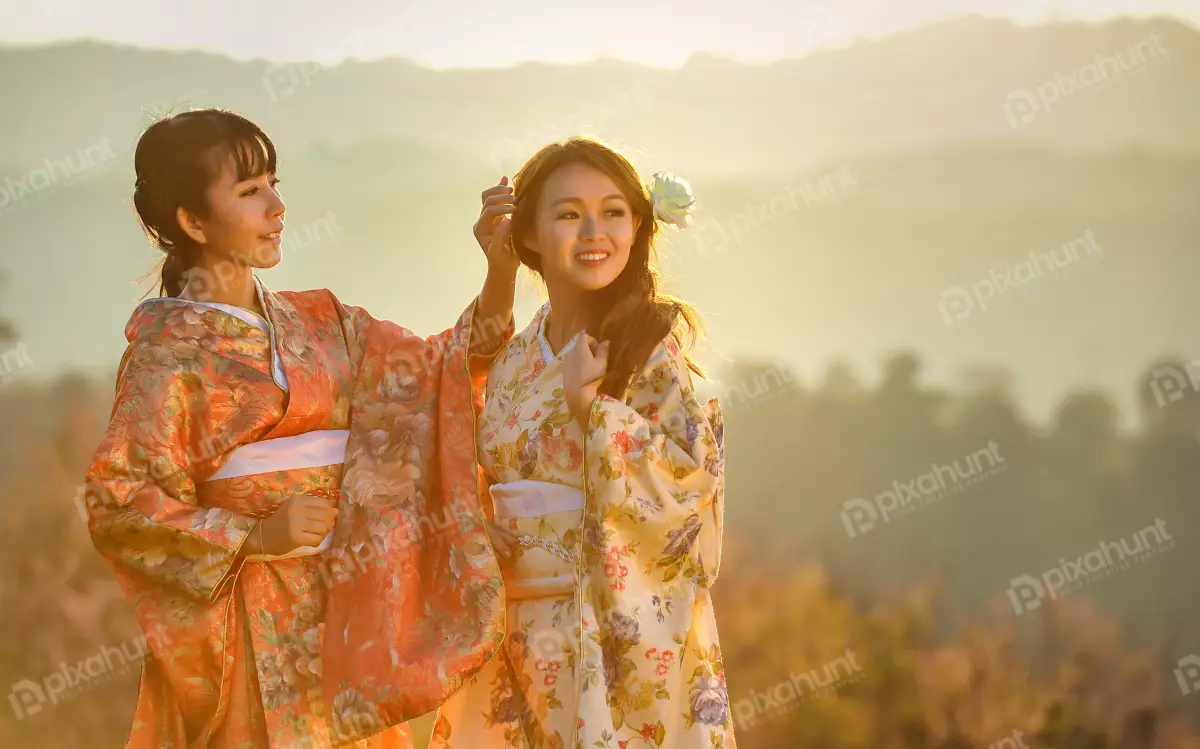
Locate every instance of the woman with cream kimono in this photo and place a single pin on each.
(606, 476)
(287, 489)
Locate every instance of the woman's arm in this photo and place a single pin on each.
(143, 512)
(655, 475)
(493, 325)
(654, 482)
(142, 500)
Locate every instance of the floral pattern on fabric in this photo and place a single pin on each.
(242, 649)
(632, 658)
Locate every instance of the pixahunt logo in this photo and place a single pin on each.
(57, 173)
(1027, 592)
(799, 688)
(958, 303)
(903, 498)
(1187, 673)
(28, 697)
(1022, 106)
(1170, 383)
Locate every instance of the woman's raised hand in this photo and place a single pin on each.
(492, 227)
(583, 370)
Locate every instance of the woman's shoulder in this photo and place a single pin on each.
(311, 299)
(665, 369)
(667, 357)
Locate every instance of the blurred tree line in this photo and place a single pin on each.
(896, 637)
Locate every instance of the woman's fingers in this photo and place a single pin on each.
(312, 528)
(500, 235)
(590, 357)
(321, 514)
(503, 541)
(311, 539)
(494, 211)
(596, 348)
(310, 501)
(499, 199)
(500, 189)
(322, 522)
(583, 348)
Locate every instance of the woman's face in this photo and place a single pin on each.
(244, 223)
(583, 229)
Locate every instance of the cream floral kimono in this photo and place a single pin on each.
(611, 638)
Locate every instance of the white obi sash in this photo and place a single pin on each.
(309, 450)
(541, 512)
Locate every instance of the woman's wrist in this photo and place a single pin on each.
(502, 272)
(254, 543)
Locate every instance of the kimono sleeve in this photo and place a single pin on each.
(651, 543)
(143, 513)
(655, 472)
(486, 338)
(415, 606)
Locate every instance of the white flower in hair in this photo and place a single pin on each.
(672, 199)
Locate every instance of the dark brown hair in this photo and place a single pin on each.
(631, 313)
(177, 159)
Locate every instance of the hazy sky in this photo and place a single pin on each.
(470, 33)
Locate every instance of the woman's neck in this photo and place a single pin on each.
(223, 282)
(566, 317)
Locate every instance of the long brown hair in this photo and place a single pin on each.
(631, 313)
(176, 160)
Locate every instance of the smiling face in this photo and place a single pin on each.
(583, 229)
(244, 220)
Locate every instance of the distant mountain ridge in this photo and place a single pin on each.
(842, 195)
(957, 80)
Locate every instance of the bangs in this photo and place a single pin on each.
(251, 153)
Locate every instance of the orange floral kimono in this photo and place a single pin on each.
(219, 417)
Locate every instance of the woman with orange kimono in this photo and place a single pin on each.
(287, 489)
(606, 476)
